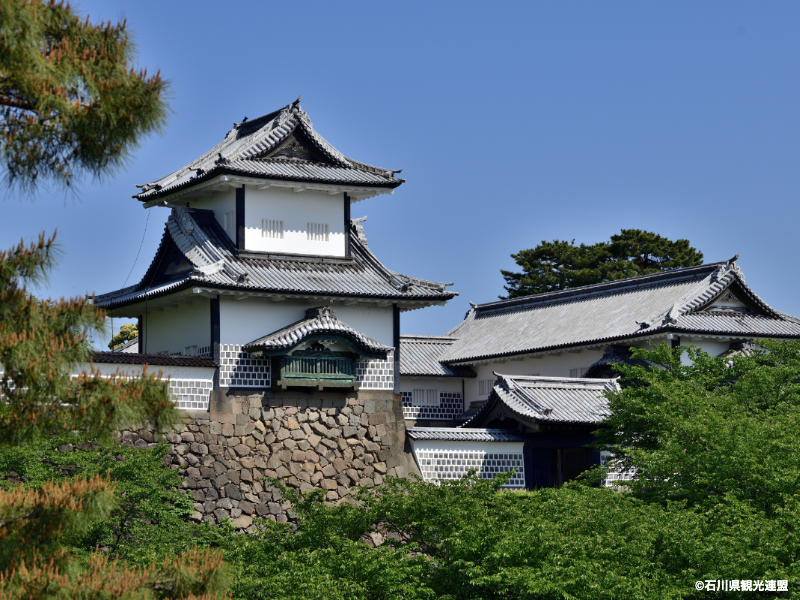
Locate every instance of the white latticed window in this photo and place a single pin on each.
(485, 387)
(270, 228)
(317, 232)
(229, 222)
(579, 372)
(425, 398)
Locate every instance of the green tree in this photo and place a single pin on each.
(719, 427)
(559, 265)
(126, 333)
(41, 342)
(72, 99)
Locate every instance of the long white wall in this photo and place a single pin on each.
(242, 321)
(295, 210)
(173, 329)
(442, 384)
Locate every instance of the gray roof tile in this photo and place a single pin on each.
(452, 434)
(248, 149)
(160, 360)
(215, 263)
(318, 322)
(549, 399)
(420, 354)
(616, 310)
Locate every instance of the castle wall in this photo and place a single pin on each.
(331, 441)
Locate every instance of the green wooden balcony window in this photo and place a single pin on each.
(323, 367)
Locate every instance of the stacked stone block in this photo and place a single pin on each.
(324, 440)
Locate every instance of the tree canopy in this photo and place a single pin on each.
(559, 265)
(126, 333)
(72, 100)
(41, 341)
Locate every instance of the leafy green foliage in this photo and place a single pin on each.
(72, 99)
(716, 427)
(40, 343)
(142, 521)
(126, 333)
(468, 539)
(559, 265)
(45, 511)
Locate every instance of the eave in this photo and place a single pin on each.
(225, 178)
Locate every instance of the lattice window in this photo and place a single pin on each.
(271, 228)
(485, 387)
(317, 232)
(230, 222)
(579, 372)
(425, 398)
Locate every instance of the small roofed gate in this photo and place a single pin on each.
(552, 463)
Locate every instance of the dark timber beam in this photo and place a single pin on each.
(215, 336)
(346, 224)
(240, 218)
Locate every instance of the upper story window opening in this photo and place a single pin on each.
(425, 398)
(271, 228)
(579, 372)
(230, 221)
(485, 387)
(317, 232)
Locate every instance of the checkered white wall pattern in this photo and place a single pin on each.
(443, 464)
(238, 369)
(190, 394)
(616, 474)
(375, 374)
(451, 405)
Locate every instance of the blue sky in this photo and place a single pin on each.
(513, 123)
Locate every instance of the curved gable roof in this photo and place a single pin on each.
(250, 148)
(670, 301)
(195, 236)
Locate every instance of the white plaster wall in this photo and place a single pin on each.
(442, 384)
(444, 445)
(547, 366)
(172, 329)
(220, 203)
(242, 321)
(296, 210)
(192, 373)
(376, 322)
(711, 346)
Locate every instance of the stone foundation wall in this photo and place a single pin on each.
(322, 440)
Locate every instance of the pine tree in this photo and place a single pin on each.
(41, 341)
(559, 265)
(71, 98)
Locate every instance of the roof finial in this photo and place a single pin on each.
(472, 304)
(734, 259)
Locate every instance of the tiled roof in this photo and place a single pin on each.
(549, 399)
(318, 322)
(129, 346)
(215, 263)
(160, 360)
(451, 434)
(420, 354)
(628, 308)
(281, 145)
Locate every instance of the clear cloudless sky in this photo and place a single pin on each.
(513, 122)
